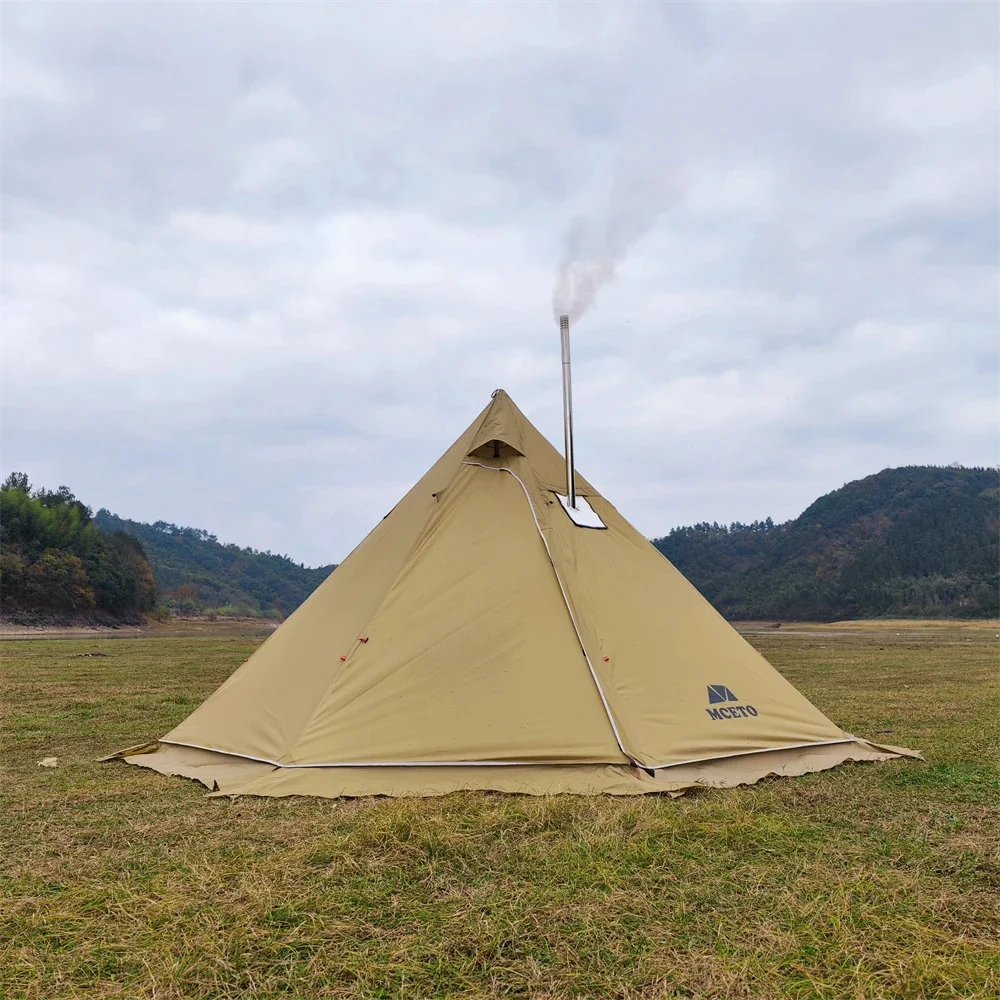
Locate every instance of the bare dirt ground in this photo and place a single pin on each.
(199, 625)
(191, 627)
(874, 626)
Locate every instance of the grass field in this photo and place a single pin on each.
(874, 881)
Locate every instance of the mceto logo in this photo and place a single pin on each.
(719, 693)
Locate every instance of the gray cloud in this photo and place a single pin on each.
(262, 264)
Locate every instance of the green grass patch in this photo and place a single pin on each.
(967, 782)
(867, 881)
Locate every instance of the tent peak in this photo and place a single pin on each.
(499, 434)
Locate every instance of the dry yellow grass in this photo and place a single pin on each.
(869, 881)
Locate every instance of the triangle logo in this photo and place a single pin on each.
(718, 693)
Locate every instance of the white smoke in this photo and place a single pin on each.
(641, 190)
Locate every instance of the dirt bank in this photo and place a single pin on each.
(44, 625)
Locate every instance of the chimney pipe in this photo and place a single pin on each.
(567, 411)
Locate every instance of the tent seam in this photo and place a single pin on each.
(407, 763)
(511, 763)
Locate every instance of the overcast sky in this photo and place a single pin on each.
(263, 263)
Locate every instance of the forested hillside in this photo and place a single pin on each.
(913, 541)
(53, 558)
(197, 573)
(916, 541)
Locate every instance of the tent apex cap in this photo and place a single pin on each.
(499, 422)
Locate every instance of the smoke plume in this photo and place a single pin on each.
(595, 245)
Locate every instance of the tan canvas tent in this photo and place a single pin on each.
(488, 636)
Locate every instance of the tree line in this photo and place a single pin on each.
(917, 541)
(53, 555)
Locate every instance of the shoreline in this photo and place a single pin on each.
(200, 626)
(189, 627)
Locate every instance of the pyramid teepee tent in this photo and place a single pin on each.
(485, 636)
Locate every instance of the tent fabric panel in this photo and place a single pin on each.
(658, 645)
(472, 654)
(261, 709)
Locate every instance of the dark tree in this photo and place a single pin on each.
(53, 556)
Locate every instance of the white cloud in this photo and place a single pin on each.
(260, 269)
(968, 98)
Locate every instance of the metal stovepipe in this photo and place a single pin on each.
(567, 410)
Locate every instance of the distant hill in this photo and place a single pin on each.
(919, 541)
(915, 541)
(197, 573)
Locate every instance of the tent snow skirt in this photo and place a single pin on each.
(226, 775)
